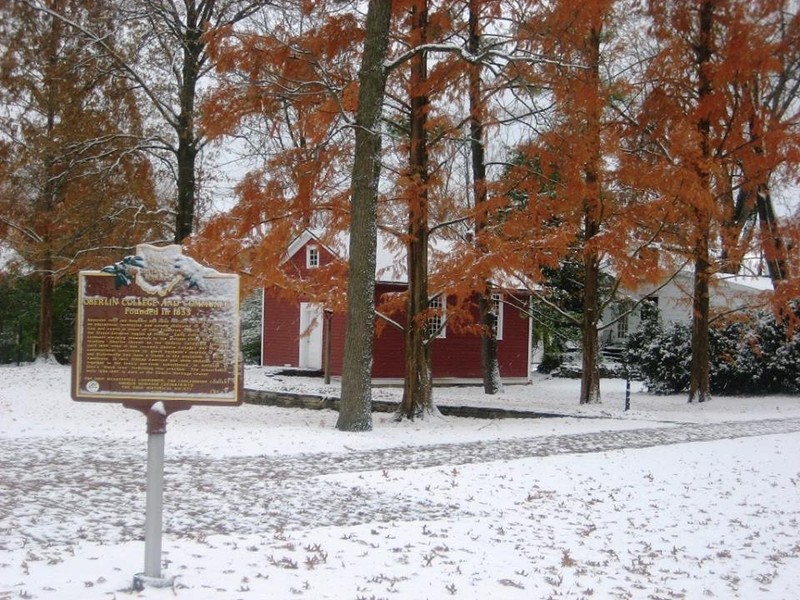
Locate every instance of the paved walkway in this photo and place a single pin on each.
(89, 488)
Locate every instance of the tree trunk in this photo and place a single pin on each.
(355, 411)
(771, 240)
(188, 142)
(699, 380)
(417, 384)
(184, 217)
(757, 177)
(44, 339)
(492, 384)
(590, 371)
(49, 198)
(417, 397)
(492, 381)
(754, 205)
(592, 217)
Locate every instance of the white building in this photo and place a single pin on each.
(673, 298)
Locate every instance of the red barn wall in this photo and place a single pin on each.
(513, 351)
(458, 354)
(337, 332)
(280, 342)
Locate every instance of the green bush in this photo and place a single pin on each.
(250, 316)
(750, 353)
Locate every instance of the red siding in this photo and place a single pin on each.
(387, 353)
(458, 354)
(280, 342)
(337, 331)
(513, 351)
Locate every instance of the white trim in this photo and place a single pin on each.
(309, 352)
(622, 327)
(439, 321)
(300, 241)
(530, 343)
(498, 308)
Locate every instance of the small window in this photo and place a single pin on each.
(437, 319)
(497, 311)
(312, 257)
(622, 328)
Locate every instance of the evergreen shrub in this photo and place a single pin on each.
(750, 353)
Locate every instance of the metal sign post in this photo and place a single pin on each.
(159, 333)
(154, 503)
(152, 575)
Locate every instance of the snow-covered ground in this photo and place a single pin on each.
(265, 502)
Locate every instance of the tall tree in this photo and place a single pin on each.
(75, 186)
(356, 404)
(166, 60)
(699, 381)
(679, 122)
(490, 367)
(704, 132)
(589, 104)
(417, 383)
(571, 161)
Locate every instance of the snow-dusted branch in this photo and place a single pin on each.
(102, 42)
(517, 55)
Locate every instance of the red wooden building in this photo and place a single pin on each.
(296, 332)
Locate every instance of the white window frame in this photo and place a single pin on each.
(312, 257)
(497, 309)
(438, 321)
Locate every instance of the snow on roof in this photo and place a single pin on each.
(754, 283)
(390, 256)
(390, 253)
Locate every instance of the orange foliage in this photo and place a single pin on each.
(295, 86)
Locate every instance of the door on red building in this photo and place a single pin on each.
(310, 335)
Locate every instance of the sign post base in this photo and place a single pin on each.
(141, 581)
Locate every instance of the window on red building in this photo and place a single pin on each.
(312, 257)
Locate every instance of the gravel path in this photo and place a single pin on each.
(53, 491)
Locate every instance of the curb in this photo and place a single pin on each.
(315, 402)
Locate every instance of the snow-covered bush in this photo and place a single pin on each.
(250, 315)
(736, 356)
(659, 356)
(750, 353)
(780, 344)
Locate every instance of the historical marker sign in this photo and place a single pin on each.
(157, 326)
